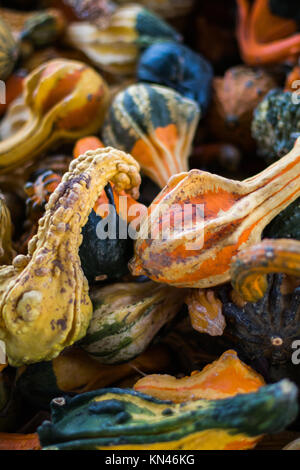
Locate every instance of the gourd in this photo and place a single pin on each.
(272, 138)
(225, 377)
(234, 98)
(228, 216)
(264, 37)
(74, 371)
(66, 100)
(6, 250)
(116, 48)
(44, 301)
(8, 51)
(262, 312)
(156, 125)
(40, 28)
(178, 67)
(126, 318)
(286, 224)
(125, 419)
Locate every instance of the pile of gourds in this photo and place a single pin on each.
(150, 224)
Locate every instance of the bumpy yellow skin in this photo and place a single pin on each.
(44, 301)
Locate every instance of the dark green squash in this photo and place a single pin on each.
(264, 331)
(109, 256)
(124, 419)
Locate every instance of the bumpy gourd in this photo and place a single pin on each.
(178, 67)
(126, 317)
(116, 48)
(221, 217)
(8, 51)
(66, 100)
(272, 137)
(225, 377)
(156, 125)
(125, 419)
(44, 301)
(250, 267)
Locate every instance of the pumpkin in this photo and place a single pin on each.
(51, 275)
(234, 98)
(14, 441)
(8, 51)
(286, 224)
(178, 67)
(225, 377)
(58, 111)
(250, 267)
(74, 371)
(120, 419)
(264, 37)
(199, 221)
(156, 125)
(205, 311)
(116, 48)
(126, 317)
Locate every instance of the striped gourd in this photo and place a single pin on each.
(124, 419)
(156, 125)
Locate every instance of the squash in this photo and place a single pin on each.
(116, 48)
(264, 37)
(178, 67)
(51, 275)
(262, 312)
(74, 371)
(8, 51)
(225, 377)
(105, 253)
(120, 419)
(286, 224)
(66, 100)
(126, 317)
(40, 28)
(220, 216)
(234, 98)
(156, 125)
